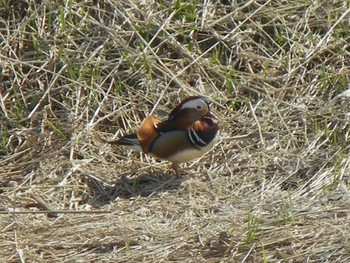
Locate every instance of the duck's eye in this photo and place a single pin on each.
(199, 107)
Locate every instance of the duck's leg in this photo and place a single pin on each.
(176, 168)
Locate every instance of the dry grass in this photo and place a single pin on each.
(276, 189)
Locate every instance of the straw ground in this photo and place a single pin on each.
(76, 73)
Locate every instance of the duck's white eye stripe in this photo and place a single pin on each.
(194, 104)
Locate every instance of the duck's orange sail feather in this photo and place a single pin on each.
(147, 133)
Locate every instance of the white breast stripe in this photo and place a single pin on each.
(191, 139)
(195, 139)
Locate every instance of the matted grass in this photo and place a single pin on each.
(77, 73)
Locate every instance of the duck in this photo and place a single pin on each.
(190, 131)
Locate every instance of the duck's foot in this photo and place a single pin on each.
(177, 169)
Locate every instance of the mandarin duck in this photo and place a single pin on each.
(190, 131)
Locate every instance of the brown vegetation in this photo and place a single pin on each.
(75, 73)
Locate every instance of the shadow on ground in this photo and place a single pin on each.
(126, 188)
